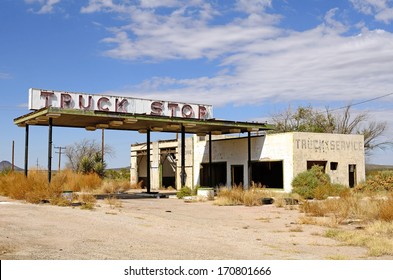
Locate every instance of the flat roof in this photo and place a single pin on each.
(92, 120)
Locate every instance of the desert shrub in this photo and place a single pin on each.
(136, 186)
(228, 197)
(337, 209)
(323, 192)
(253, 196)
(123, 173)
(33, 188)
(88, 201)
(76, 182)
(306, 182)
(376, 237)
(238, 196)
(115, 186)
(385, 210)
(185, 191)
(381, 181)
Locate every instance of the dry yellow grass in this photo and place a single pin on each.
(35, 188)
(365, 209)
(88, 201)
(238, 196)
(374, 213)
(77, 182)
(377, 237)
(114, 186)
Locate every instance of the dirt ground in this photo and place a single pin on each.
(162, 229)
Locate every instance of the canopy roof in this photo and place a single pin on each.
(92, 120)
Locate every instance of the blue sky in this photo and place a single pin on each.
(249, 59)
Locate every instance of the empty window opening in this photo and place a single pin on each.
(219, 174)
(333, 165)
(311, 163)
(268, 174)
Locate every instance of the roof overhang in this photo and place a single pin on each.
(92, 120)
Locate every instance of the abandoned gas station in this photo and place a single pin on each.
(268, 160)
(219, 152)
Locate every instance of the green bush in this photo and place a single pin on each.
(307, 182)
(185, 191)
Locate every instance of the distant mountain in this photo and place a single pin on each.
(370, 167)
(6, 165)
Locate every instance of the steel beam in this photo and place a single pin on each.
(148, 165)
(183, 156)
(26, 149)
(210, 161)
(50, 150)
(249, 159)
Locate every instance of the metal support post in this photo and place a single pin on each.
(249, 160)
(210, 161)
(148, 183)
(50, 150)
(183, 156)
(26, 149)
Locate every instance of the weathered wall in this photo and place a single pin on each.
(341, 148)
(292, 149)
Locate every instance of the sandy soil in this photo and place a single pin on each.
(162, 229)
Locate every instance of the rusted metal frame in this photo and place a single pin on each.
(210, 123)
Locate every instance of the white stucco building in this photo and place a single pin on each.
(275, 160)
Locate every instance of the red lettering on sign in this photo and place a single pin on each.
(65, 100)
(121, 106)
(156, 108)
(173, 107)
(81, 103)
(48, 97)
(100, 104)
(187, 111)
(202, 112)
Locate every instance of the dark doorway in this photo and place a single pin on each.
(219, 174)
(352, 175)
(168, 168)
(237, 175)
(142, 165)
(311, 163)
(268, 174)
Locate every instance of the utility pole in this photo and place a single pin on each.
(13, 156)
(102, 146)
(60, 152)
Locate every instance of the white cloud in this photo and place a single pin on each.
(4, 76)
(47, 6)
(259, 61)
(184, 33)
(253, 6)
(159, 3)
(105, 5)
(381, 9)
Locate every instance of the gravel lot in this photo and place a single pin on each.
(162, 229)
